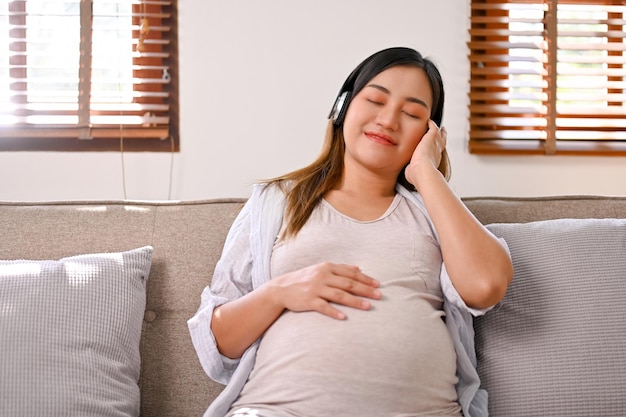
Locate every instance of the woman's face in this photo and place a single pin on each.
(387, 119)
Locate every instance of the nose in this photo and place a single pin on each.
(388, 117)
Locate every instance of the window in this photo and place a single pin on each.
(547, 77)
(97, 75)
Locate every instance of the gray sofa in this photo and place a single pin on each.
(187, 239)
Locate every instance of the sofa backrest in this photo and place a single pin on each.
(187, 238)
(527, 209)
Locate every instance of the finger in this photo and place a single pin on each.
(330, 311)
(432, 126)
(355, 273)
(444, 136)
(353, 288)
(324, 307)
(439, 140)
(355, 282)
(341, 297)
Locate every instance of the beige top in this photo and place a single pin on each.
(396, 359)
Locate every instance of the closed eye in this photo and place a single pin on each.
(378, 103)
(411, 115)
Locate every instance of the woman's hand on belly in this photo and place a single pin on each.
(314, 288)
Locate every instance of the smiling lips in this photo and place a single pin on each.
(380, 138)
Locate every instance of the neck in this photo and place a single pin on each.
(362, 198)
(366, 184)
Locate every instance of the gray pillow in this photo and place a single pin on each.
(69, 334)
(555, 346)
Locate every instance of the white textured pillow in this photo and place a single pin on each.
(554, 347)
(69, 334)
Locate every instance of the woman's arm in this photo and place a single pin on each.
(479, 266)
(239, 323)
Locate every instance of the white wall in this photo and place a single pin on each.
(257, 80)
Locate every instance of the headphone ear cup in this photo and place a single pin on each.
(340, 108)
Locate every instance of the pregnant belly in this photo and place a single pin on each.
(393, 355)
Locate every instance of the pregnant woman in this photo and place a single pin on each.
(346, 288)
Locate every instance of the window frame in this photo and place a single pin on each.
(490, 92)
(159, 45)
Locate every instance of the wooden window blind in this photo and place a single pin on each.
(547, 77)
(89, 75)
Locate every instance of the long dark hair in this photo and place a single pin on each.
(308, 185)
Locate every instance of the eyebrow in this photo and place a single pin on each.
(411, 99)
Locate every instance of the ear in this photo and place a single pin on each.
(340, 107)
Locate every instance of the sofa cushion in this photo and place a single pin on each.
(69, 334)
(555, 344)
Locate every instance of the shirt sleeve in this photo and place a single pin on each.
(453, 296)
(231, 280)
